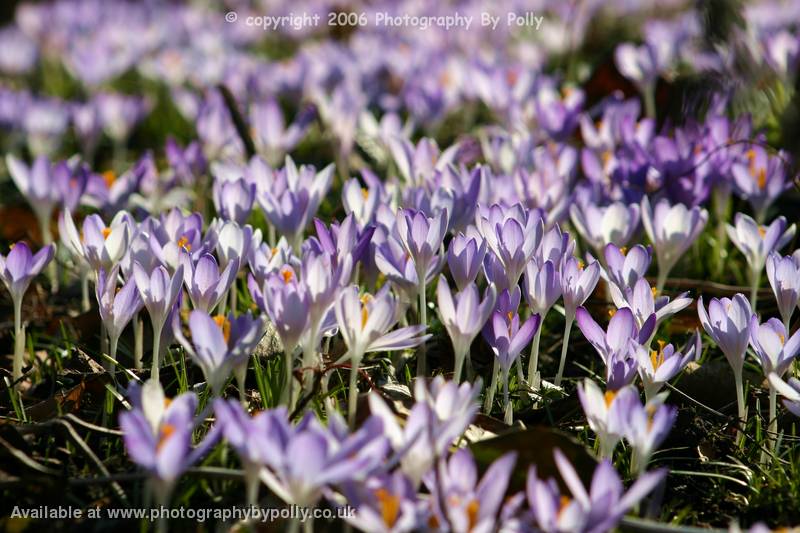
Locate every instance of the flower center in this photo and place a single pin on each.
(389, 505)
(287, 274)
(106, 232)
(563, 503)
(225, 325)
(165, 431)
(472, 513)
(109, 177)
(762, 231)
(761, 180)
(364, 192)
(609, 397)
(184, 243)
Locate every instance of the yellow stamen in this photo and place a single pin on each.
(654, 291)
(624, 251)
(184, 243)
(510, 316)
(581, 264)
(609, 397)
(762, 178)
(287, 274)
(782, 338)
(225, 325)
(762, 231)
(106, 232)
(389, 505)
(472, 513)
(109, 177)
(164, 433)
(611, 313)
(563, 503)
(364, 192)
(606, 157)
(566, 92)
(273, 252)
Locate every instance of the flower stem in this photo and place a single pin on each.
(459, 366)
(47, 239)
(85, 304)
(533, 363)
(252, 482)
(423, 319)
(755, 281)
(138, 341)
(508, 416)
(288, 362)
(737, 376)
(773, 417)
(156, 351)
(352, 392)
(489, 399)
(19, 340)
(649, 97)
(662, 279)
(112, 353)
(564, 344)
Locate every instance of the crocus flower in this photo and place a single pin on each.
(364, 322)
(221, 344)
(784, 278)
(157, 433)
(646, 427)
(293, 197)
(233, 199)
(464, 257)
(442, 412)
(17, 269)
(399, 268)
(728, 322)
(469, 504)
(361, 201)
(601, 226)
(789, 390)
(642, 301)
(671, 229)
(286, 302)
(385, 503)
(421, 237)
(116, 307)
(656, 367)
(38, 184)
(606, 412)
(756, 242)
(577, 283)
(597, 511)
(542, 289)
(613, 345)
(510, 338)
(513, 235)
(623, 266)
(463, 317)
(204, 282)
(760, 178)
(102, 246)
(159, 293)
(303, 461)
(342, 240)
(265, 259)
(775, 354)
(272, 138)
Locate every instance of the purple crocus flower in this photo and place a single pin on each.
(342, 240)
(470, 505)
(119, 113)
(17, 270)
(362, 201)
(158, 435)
(271, 136)
(101, 246)
(235, 241)
(772, 344)
(756, 242)
(510, 338)
(577, 283)
(463, 317)
(397, 265)
(597, 511)
(555, 245)
(656, 367)
(116, 307)
(646, 427)
(364, 322)
(159, 293)
(606, 413)
(513, 235)
(642, 301)
(760, 178)
(220, 345)
(204, 282)
(671, 229)
(625, 267)
(37, 184)
(557, 114)
(789, 390)
(233, 199)
(600, 226)
(265, 259)
(613, 345)
(286, 302)
(442, 412)
(464, 257)
(421, 237)
(728, 322)
(784, 278)
(304, 460)
(176, 234)
(386, 503)
(293, 197)
(542, 289)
